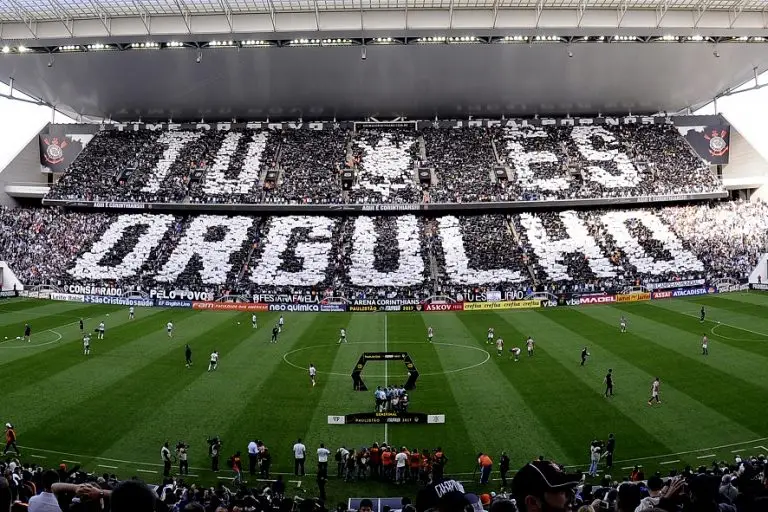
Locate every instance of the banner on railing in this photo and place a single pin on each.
(69, 297)
(118, 301)
(633, 297)
(514, 304)
(230, 306)
(668, 285)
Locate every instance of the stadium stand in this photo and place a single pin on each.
(601, 161)
(596, 249)
(538, 163)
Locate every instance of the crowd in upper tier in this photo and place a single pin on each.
(458, 165)
(401, 256)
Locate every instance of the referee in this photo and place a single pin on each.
(609, 383)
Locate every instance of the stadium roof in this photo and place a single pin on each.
(220, 59)
(40, 10)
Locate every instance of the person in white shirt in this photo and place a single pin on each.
(430, 333)
(280, 324)
(131, 313)
(214, 361)
(253, 320)
(705, 346)
(401, 460)
(165, 456)
(253, 457)
(322, 460)
(87, 345)
(490, 335)
(169, 327)
(343, 336)
(530, 343)
(101, 330)
(299, 453)
(499, 346)
(312, 373)
(46, 501)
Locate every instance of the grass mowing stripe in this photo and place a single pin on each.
(694, 378)
(137, 394)
(219, 394)
(499, 417)
(52, 320)
(436, 393)
(65, 355)
(682, 334)
(280, 409)
(553, 392)
(631, 387)
(334, 394)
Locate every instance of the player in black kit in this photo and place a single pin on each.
(609, 383)
(702, 313)
(27, 332)
(584, 355)
(188, 355)
(275, 331)
(81, 325)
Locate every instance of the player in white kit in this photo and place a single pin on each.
(343, 336)
(87, 345)
(655, 392)
(530, 344)
(430, 333)
(100, 331)
(705, 346)
(623, 324)
(499, 346)
(253, 321)
(490, 335)
(312, 374)
(131, 314)
(169, 328)
(515, 353)
(280, 324)
(214, 361)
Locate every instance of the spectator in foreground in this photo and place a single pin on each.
(542, 486)
(46, 501)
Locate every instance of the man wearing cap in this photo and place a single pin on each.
(541, 486)
(485, 463)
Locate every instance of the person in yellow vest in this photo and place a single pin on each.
(485, 463)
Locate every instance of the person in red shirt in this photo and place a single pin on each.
(415, 463)
(375, 460)
(10, 439)
(237, 468)
(387, 460)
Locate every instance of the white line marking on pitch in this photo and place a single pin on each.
(707, 456)
(763, 447)
(631, 467)
(71, 461)
(716, 322)
(297, 482)
(105, 466)
(190, 474)
(146, 471)
(670, 461)
(737, 451)
(38, 456)
(386, 365)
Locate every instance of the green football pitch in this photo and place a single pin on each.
(112, 410)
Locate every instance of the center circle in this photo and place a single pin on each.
(486, 358)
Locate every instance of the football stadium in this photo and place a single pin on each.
(386, 255)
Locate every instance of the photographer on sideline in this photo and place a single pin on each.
(181, 454)
(214, 451)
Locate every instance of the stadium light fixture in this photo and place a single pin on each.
(254, 43)
(149, 45)
(6, 49)
(383, 40)
(514, 39)
(69, 48)
(669, 38)
(174, 44)
(97, 47)
(624, 39)
(337, 42)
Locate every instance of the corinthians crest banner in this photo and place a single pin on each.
(712, 143)
(57, 152)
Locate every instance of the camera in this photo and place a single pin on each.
(213, 441)
(180, 445)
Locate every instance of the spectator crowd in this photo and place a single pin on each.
(385, 257)
(304, 166)
(539, 485)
